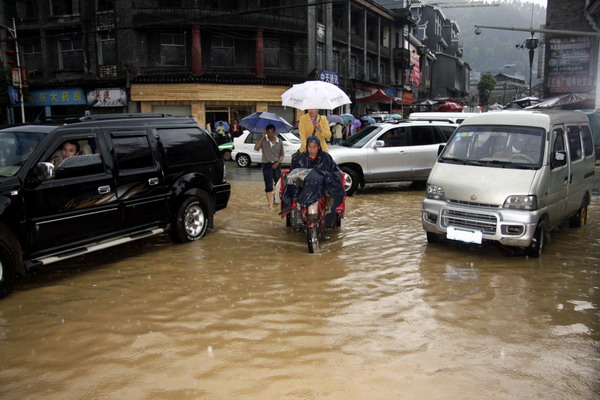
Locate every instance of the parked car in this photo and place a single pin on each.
(511, 177)
(453, 117)
(391, 152)
(225, 150)
(135, 176)
(243, 148)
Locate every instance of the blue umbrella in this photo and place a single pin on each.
(258, 121)
(347, 117)
(370, 120)
(334, 119)
(225, 124)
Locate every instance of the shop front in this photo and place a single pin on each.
(56, 102)
(210, 103)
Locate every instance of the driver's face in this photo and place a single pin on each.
(313, 149)
(69, 150)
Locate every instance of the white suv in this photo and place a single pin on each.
(391, 152)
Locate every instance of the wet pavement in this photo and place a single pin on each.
(248, 313)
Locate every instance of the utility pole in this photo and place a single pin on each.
(13, 33)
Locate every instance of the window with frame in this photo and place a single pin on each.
(185, 146)
(319, 59)
(21, 9)
(86, 161)
(422, 135)
(353, 64)
(335, 61)
(71, 54)
(222, 51)
(559, 141)
(107, 48)
(588, 144)
(272, 50)
(132, 152)
(395, 137)
(170, 3)
(64, 7)
(172, 49)
(32, 55)
(574, 138)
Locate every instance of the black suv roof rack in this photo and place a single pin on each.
(104, 117)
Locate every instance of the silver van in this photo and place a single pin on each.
(511, 176)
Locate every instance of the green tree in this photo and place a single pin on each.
(486, 84)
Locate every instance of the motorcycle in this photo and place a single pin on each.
(311, 218)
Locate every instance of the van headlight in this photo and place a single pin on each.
(435, 192)
(521, 202)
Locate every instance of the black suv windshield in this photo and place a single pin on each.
(362, 137)
(496, 146)
(15, 147)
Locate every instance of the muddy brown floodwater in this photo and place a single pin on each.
(247, 313)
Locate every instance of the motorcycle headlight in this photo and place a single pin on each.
(435, 192)
(521, 202)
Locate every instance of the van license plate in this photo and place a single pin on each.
(464, 235)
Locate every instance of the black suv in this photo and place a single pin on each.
(134, 176)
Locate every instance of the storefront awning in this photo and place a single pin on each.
(380, 97)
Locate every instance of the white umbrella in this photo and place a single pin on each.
(316, 95)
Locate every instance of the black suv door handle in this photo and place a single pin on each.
(153, 181)
(104, 189)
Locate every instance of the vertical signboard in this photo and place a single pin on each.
(570, 66)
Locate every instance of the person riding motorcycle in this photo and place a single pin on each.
(324, 176)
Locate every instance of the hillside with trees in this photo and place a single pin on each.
(494, 49)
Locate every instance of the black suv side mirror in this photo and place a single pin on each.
(44, 171)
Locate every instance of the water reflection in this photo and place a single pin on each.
(248, 313)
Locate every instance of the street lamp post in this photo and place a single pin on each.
(13, 32)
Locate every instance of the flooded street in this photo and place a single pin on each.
(248, 313)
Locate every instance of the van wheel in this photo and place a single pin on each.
(191, 220)
(350, 181)
(10, 258)
(579, 219)
(537, 243)
(243, 160)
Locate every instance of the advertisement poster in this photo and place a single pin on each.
(416, 67)
(570, 66)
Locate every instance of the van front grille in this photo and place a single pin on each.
(472, 203)
(471, 220)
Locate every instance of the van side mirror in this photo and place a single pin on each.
(559, 158)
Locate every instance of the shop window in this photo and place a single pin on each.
(107, 48)
(71, 54)
(222, 51)
(64, 7)
(172, 49)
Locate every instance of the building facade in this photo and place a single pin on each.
(214, 60)
(570, 61)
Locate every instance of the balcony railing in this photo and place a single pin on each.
(157, 16)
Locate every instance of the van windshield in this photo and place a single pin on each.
(15, 148)
(496, 146)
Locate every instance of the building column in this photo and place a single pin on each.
(260, 54)
(196, 51)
